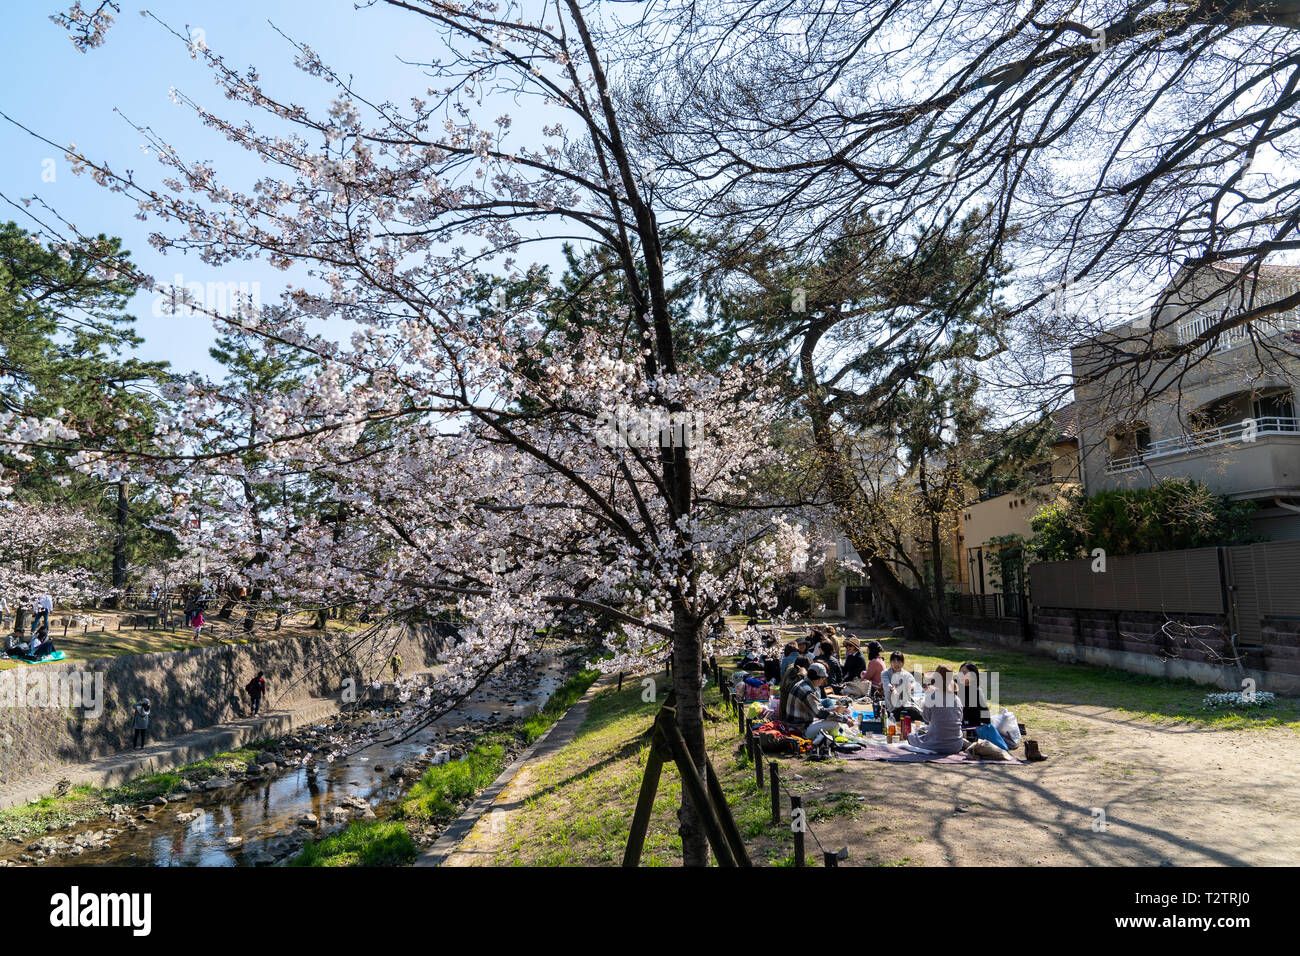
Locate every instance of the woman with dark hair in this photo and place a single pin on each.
(875, 664)
(788, 656)
(902, 691)
(826, 657)
(975, 708)
(854, 664)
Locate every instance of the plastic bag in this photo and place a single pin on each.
(990, 733)
(1006, 725)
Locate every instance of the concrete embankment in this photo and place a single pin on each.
(54, 716)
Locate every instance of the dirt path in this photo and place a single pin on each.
(1171, 795)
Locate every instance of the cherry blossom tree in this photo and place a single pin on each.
(44, 552)
(479, 462)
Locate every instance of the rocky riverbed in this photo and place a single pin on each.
(306, 784)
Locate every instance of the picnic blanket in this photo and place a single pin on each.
(898, 754)
(56, 656)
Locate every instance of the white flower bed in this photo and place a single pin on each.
(1233, 699)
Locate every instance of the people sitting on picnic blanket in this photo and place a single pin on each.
(942, 716)
(854, 664)
(975, 707)
(902, 691)
(772, 667)
(805, 709)
(826, 658)
(41, 644)
(797, 671)
(14, 643)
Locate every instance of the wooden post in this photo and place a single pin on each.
(695, 789)
(749, 737)
(644, 803)
(797, 824)
(723, 810)
(774, 772)
(758, 759)
(620, 680)
(740, 717)
(830, 858)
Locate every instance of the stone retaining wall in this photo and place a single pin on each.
(1133, 641)
(188, 690)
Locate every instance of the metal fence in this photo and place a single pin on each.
(1247, 583)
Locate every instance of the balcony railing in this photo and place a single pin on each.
(1238, 432)
(1265, 327)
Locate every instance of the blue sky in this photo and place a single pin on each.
(71, 97)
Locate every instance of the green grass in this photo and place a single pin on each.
(568, 694)
(1046, 683)
(361, 843)
(578, 805)
(437, 796)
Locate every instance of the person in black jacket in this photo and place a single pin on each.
(826, 657)
(854, 663)
(974, 707)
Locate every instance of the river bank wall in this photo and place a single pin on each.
(53, 715)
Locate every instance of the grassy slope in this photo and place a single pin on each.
(583, 797)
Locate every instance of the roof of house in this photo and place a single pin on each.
(1066, 419)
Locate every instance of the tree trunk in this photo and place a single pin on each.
(915, 614)
(119, 545)
(254, 596)
(687, 673)
(940, 599)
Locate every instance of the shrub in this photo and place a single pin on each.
(1169, 516)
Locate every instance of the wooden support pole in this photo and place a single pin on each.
(758, 758)
(695, 789)
(830, 858)
(620, 680)
(644, 804)
(797, 824)
(723, 810)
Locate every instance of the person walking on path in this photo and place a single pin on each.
(197, 623)
(140, 723)
(396, 662)
(256, 688)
